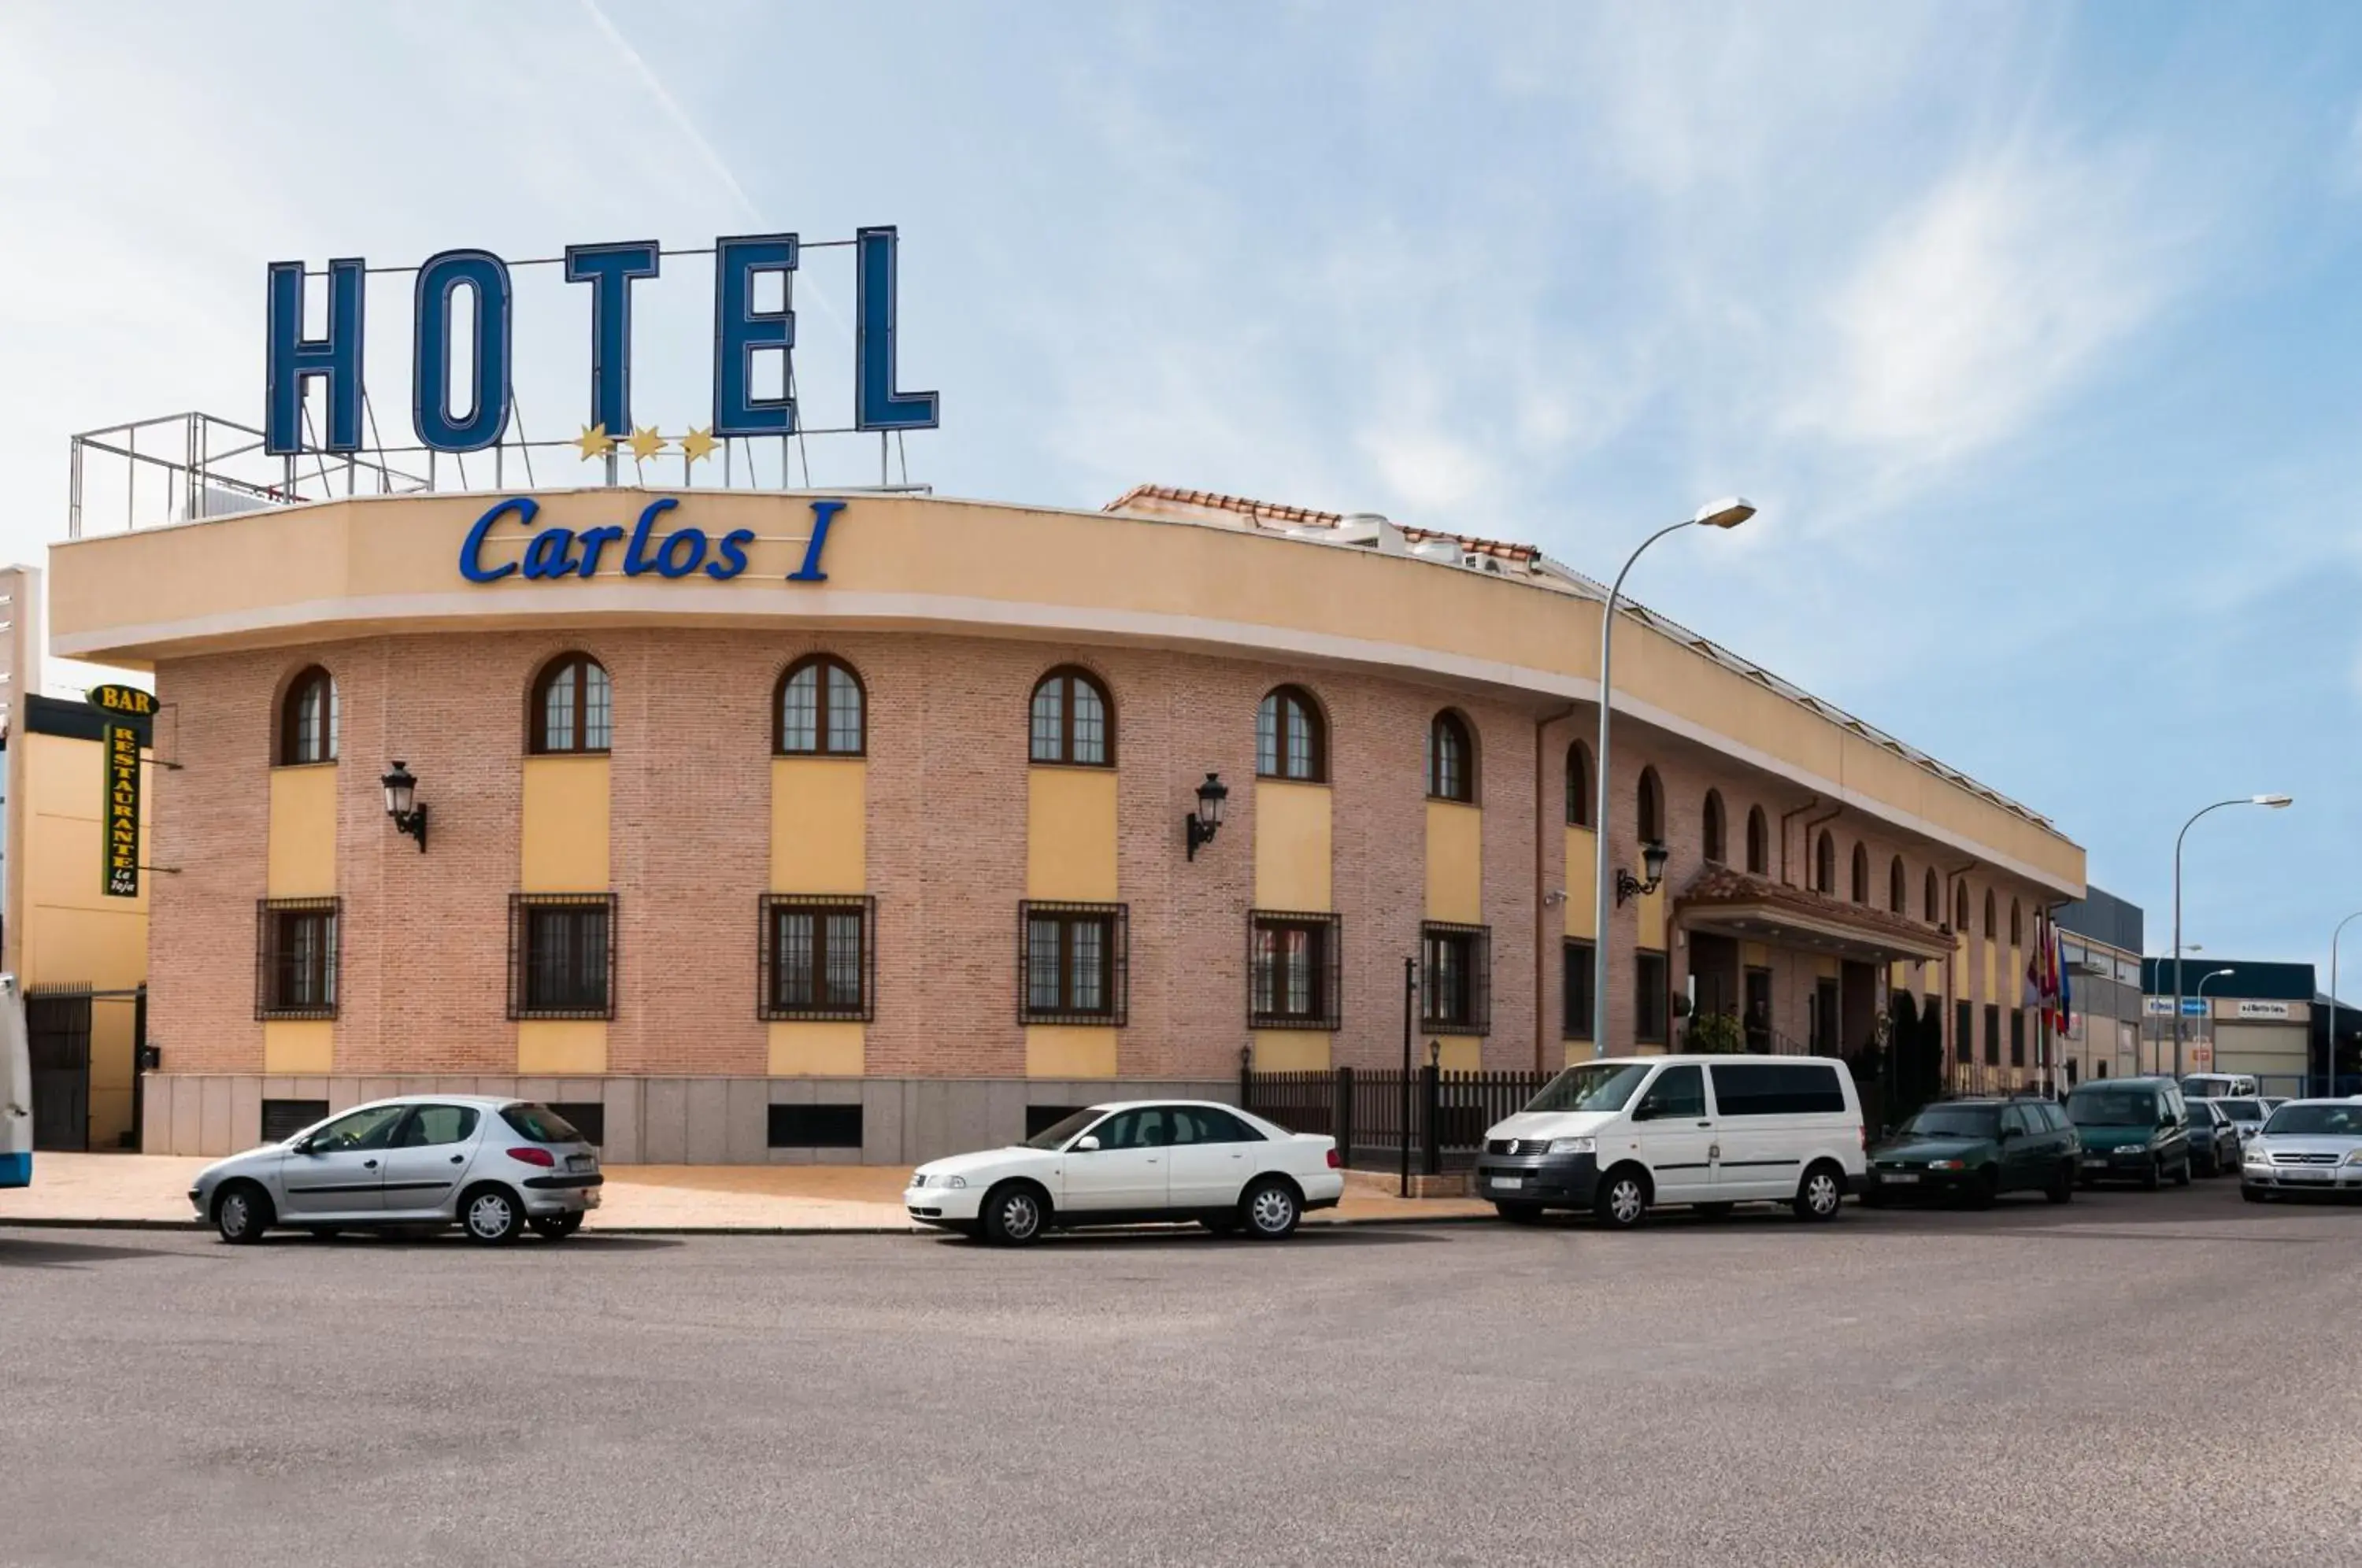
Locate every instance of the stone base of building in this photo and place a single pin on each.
(673, 1121)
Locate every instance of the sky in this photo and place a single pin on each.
(2030, 328)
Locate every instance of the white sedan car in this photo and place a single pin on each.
(1128, 1163)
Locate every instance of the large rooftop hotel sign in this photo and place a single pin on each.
(745, 331)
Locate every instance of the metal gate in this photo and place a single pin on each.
(57, 1024)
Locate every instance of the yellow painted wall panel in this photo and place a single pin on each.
(1292, 1050)
(575, 1047)
(1069, 1051)
(1755, 955)
(818, 824)
(1992, 991)
(1582, 882)
(1828, 968)
(1070, 834)
(1462, 1054)
(303, 848)
(71, 932)
(306, 1045)
(565, 829)
(1650, 915)
(2013, 980)
(1455, 862)
(816, 1049)
(1292, 849)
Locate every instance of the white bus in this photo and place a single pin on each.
(16, 1090)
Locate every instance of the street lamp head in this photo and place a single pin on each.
(1728, 513)
(2273, 802)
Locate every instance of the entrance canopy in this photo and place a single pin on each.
(1755, 909)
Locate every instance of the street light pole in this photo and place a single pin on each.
(1727, 513)
(2329, 1063)
(2276, 802)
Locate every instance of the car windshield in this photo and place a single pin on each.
(2330, 1120)
(2113, 1108)
(1053, 1137)
(2242, 1109)
(1954, 1121)
(1595, 1085)
(540, 1123)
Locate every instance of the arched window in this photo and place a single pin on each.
(1578, 785)
(307, 719)
(819, 710)
(1711, 834)
(1652, 809)
(573, 707)
(1992, 926)
(1933, 899)
(1451, 758)
(1291, 738)
(1759, 843)
(1825, 865)
(1898, 888)
(1072, 720)
(1960, 910)
(2017, 924)
(1860, 875)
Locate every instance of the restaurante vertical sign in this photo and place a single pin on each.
(119, 743)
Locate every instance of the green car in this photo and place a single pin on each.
(2133, 1130)
(1974, 1149)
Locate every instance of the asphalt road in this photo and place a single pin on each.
(2135, 1379)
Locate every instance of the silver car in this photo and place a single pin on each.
(2307, 1145)
(490, 1165)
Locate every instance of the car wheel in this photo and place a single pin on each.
(1272, 1209)
(1520, 1213)
(2181, 1173)
(1820, 1194)
(1622, 1200)
(1014, 1214)
(2153, 1177)
(2063, 1185)
(557, 1227)
(492, 1215)
(242, 1213)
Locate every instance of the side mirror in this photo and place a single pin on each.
(1089, 1143)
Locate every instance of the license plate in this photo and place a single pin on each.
(580, 1162)
(1904, 1178)
(2094, 1161)
(1511, 1182)
(2300, 1173)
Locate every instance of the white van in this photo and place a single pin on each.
(2218, 1086)
(1624, 1135)
(16, 1090)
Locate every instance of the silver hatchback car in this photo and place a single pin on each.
(489, 1165)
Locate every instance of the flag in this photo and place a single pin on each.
(2062, 999)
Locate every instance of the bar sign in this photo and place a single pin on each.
(121, 743)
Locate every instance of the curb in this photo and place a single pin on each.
(56, 1222)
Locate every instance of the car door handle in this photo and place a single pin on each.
(368, 1165)
(1705, 1123)
(457, 1159)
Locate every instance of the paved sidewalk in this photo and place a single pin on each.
(149, 1189)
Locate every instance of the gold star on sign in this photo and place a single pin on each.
(594, 442)
(644, 444)
(697, 444)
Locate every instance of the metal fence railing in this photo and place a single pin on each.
(1379, 1115)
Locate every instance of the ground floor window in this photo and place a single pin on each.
(1992, 1034)
(295, 958)
(2017, 1037)
(1578, 958)
(561, 956)
(1964, 1046)
(813, 1127)
(1649, 1020)
(1292, 970)
(818, 957)
(1072, 962)
(1455, 979)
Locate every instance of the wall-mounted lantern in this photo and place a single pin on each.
(1204, 822)
(1652, 860)
(402, 804)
